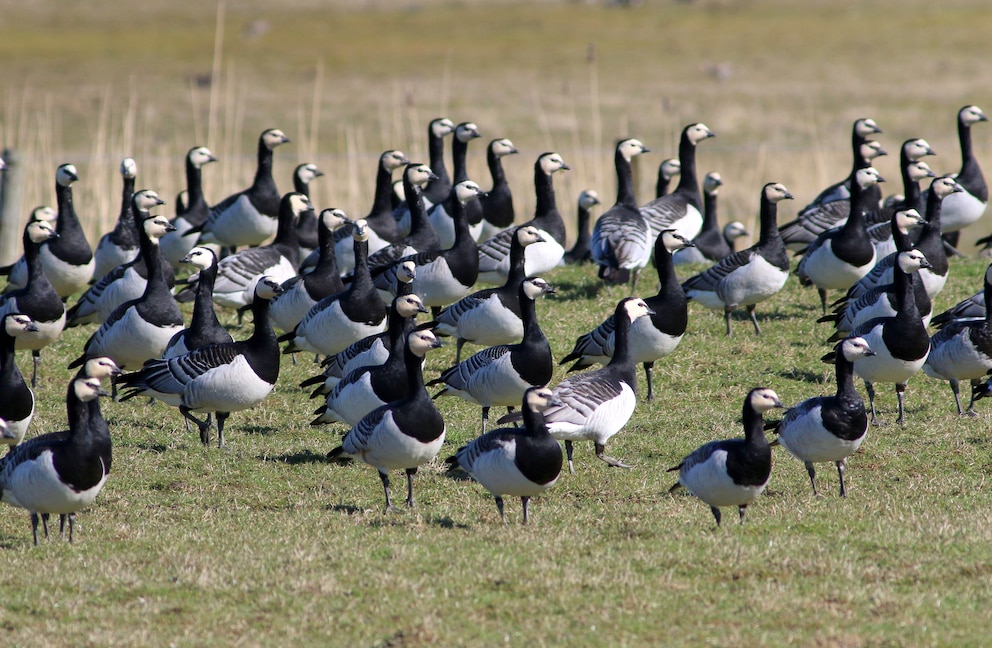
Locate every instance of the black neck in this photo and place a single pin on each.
(768, 218)
(418, 213)
(435, 150)
(910, 187)
(688, 184)
(327, 261)
(383, 189)
(709, 212)
(150, 254)
(583, 234)
(263, 174)
(361, 280)
(414, 374)
(463, 234)
(495, 163)
(528, 313)
(67, 218)
(844, 370)
(459, 151)
(545, 190)
(621, 346)
(194, 184)
(126, 194)
(625, 181)
(534, 421)
(263, 332)
(964, 138)
(860, 202)
(517, 257)
(287, 238)
(754, 428)
(903, 288)
(204, 316)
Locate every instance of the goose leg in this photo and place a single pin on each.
(726, 316)
(900, 390)
(600, 449)
(812, 475)
(754, 319)
(741, 510)
(633, 282)
(823, 299)
(971, 404)
(384, 476)
(648, 373)
(221, 419)
(525, 501)
(62, 518)
(499, 506)
(485, 417)
(458, 349)
(36, 360)
(957, 395)
(203, 426)
(410, 472)
(871, 399)
(44, 524)
(841, 469)
(568, 453)
(716, 514)
(34, 528)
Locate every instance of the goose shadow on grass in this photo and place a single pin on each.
(801, 375)
(297, 458)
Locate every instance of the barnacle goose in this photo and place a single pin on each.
(17, 404)
(884, 237)
(139, 329)
(969, 307)
(750, 276)
(120, 245)
(580, 252)
(37, 299)
(597, 404)
(67, 260)
(900, 342)
(711, 244)
(247, 217)
(521, 462)
(880, 301)
(382, 227)
(491, 316)
(437, 189)
(499, 375)
(204, 327)
(237, 273)
(497, 204)
(194, 212)
(494, 254)
(370, 350)
(732, 472)
(444, 276)
(422, 237)
(220, 378)
(301, 292)
(667, 170)
(962, 350)
(651, 338)
(839, 257)
(306, 228)
(829, 428)
(681, 210)
(621, 238)
(340, 319)
(369, 387)
(966, 207)
(402, 435)
(61, 472)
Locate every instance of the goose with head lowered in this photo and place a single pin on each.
(497, 204)
(250, 216)
(667, 170)
(192, 212)
(140, 329)
(596, 405)
(651, 338)
(61, 472)
(966, 207)
(494, 254)
(402, 435)
(681, 210)
(829, 428)
(747, 277)
(839, 257)
(204, 327)
(621, 238)
(440, 214)
(119, 245)
(491, 316)
(499, 375)
(37, 299)
(302, 292)
(732, 472)
(219, 378)
(306, 228)
(580, 252)
(711, 244)
(520, 462)
(17, 404)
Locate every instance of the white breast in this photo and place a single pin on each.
(35, 486)
(807, 440)
(240, 224)
(229, 388)
(65, 278)
(960, 210)
(752, 283)
(709, 481)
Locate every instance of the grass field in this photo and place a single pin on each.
(265, 544)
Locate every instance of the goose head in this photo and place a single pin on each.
(44, 213)
(734, 230)
(870, 150)
(306, 172)
(502, 147)
(266, 288)
(145, 199)
(419, 174)
(40, 231)
(763, 399)
(971, 115)
(944, 186)
(467, 131)
(17, 323)
(201, 257)
(129, 168)
(867, 177)
(907, 219)
(540, 399)
(670, 168)
(635, 308)
(527, 234)
(406, 272)
(361, 230)
(421, 341)
(200, 155)
(534, 287)
(912, 261)
(392, 160)
(865, 127)
(157, 226)
(334, 219)
(673, 241)
(467, 190)
(409, 305)
(698, 132)
(776, 192)
(712, 183)
(918, 170)
(589, 199)
(66, 174)
(854, 348)
(101, 367)
(88, 389)
(273, 137)
(916, 148)
(631, 148)
(550, 163)
(297, 203)
(442, 127)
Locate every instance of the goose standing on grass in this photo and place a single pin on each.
(248, 217)
(962, 350)
(711, 244)
(829, 428)
(422, 237)
(402, 435)
(301, 292)
(841, 256)
(596, 405)
(521, 462)
(580, 252)
(61, 472)
(237, 273)
(67, 260)
(37, 299)
(491, 316)
(732, 472)
(120, 245)
(621, 239)
(966, 207)
(382, 228)
(194, 212)
(681, 210)
(204, 327)
(306, 228)
(900, 342)
(750, 276)
(443, 276)
(494, 254)
(499, 375)
(340, 319)
(17, 404)
(651, 338)
(439, 214)
(140, 329)
(219, 378)
(497, 204)
(366, 388)
(667, 170)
